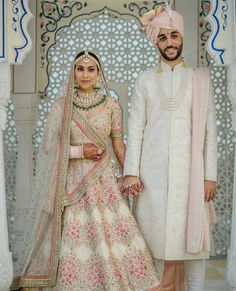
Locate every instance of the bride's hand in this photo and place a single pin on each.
(92, 151)
(132, 185)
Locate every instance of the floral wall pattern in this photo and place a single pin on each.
(204, 32)
(10, 160)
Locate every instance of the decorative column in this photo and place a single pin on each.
(15, 43)
(231, 75)
(222, 47)
(6, 270)
(231, 261)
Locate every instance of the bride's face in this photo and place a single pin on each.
(86, 74)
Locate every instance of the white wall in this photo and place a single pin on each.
(189, 9)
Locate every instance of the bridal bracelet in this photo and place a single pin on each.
(76, 152)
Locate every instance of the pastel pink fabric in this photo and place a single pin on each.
(200, 214)
(161, 17)
(174, 276)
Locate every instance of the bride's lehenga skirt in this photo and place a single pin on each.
(102, 248)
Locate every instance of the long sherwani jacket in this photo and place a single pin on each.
(159, 151)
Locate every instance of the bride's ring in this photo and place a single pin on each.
(129, 186)
(99, 151)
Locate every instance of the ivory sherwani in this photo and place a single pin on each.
(159, 151)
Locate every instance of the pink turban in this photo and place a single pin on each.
(161, 17)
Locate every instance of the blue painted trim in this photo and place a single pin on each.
(23, 33)
(222, 51)
(3, 31)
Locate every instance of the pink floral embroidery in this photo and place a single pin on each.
(88, 200)
(72, 231)
(137, 267)
(68, 272)
(100, 200)
(96, 275)
(112, 198)
(92, 232)
(107, 232)
(122, 229)
(117, 275)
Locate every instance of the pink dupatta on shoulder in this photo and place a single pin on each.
(198, 234)
(200, 213)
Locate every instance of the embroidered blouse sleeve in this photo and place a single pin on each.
(116, 121)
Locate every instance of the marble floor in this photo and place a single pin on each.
(216, 276)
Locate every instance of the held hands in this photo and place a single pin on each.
(209, 190)
(132, 185)
(92, 151)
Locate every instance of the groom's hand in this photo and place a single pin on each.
(132, 185)
(210, 190)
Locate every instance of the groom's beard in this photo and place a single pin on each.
(165, 55)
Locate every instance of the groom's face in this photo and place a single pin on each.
(170, 44)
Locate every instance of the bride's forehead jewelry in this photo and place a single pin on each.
(87, 57)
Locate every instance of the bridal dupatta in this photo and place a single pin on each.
(38, 254)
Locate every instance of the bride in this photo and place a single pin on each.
(81, 233)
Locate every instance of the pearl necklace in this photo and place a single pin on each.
(87, 101)
(173, 102)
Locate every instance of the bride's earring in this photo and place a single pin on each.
(76, 87)
(97, 85)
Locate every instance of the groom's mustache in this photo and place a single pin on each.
(170, 47)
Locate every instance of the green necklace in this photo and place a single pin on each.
(87, 101)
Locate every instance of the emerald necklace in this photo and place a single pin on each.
(87, 101)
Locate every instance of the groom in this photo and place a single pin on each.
(172, 150)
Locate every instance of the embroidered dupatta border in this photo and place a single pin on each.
(99, 167)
